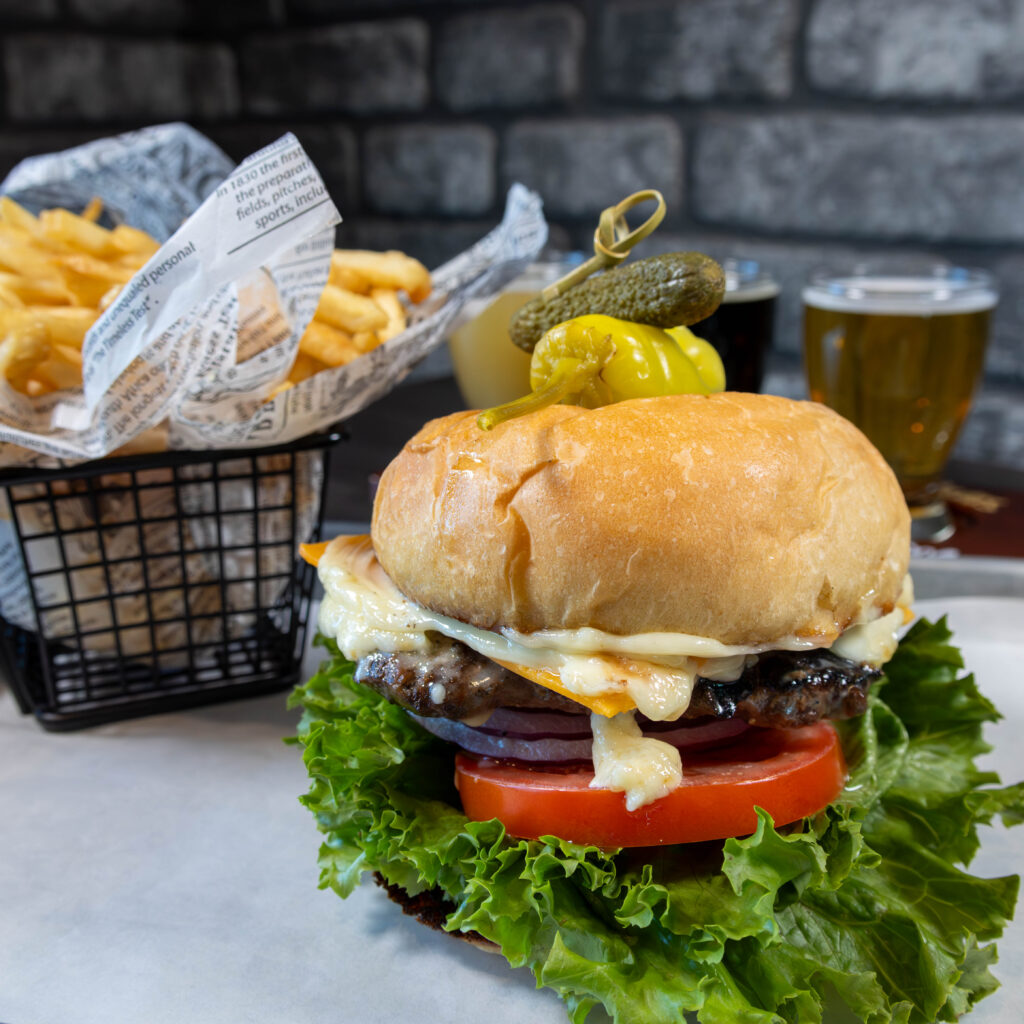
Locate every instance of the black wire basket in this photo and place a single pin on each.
(161, 581)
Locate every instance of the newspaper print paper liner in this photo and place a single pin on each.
(150, 179)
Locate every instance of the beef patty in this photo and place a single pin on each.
(782, 689)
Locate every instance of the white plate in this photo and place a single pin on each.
(162, 870)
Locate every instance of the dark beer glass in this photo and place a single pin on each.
(742, 328)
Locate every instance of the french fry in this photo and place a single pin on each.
(389, 301)
(58, 272)
(390, 269)
(34, 290)
(58, 373)
(17, 216)
(109, 296)
(278, 388)
(20, 258)
(90, 266)
(75, 232)
(132, 260)
(66, 325)
(93, 209)
(71, 355)
(348, 278)
(348, 311)
(304, 367)
(85, 289)
(365, 340)
(327, 344)
(10, 300)
(127, 239)
(21, 351)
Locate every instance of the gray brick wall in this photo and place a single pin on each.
(795, 131)
(582, 165)
(917, 49)
(361, 68)
(510, 59)
(88, 78)
(426, 168)
(857, 175)
(703, 49)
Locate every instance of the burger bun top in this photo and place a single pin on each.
(739, 517)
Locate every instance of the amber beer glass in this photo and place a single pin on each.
(900, 355)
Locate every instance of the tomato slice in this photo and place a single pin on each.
(791, 773)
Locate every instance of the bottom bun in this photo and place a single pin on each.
(432, 908)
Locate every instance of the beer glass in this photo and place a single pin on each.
(742, 327)
(489, 368)
(899, 353)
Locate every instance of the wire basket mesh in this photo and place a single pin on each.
(161, 581)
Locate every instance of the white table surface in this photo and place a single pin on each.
(162, 870)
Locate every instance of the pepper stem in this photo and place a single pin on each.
(569, 377)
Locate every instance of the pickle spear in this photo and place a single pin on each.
(675, 289)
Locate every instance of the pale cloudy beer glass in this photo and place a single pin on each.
(900, 355)
(489, 368)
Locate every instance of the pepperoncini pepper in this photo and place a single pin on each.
(703, 355)
(595, 360)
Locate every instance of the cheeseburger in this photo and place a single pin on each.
(609, 689)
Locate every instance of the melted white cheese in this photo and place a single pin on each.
(872, 642)
(875, 642)
(624, 759)
(365, 612)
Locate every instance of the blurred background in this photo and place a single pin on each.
(796, 132)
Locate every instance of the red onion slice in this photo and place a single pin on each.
(552, 736)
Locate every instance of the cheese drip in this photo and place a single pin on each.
(644, 769)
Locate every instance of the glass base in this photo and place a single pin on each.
(931, 523)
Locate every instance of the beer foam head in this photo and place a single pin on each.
(948, 290)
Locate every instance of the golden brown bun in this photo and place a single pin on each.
(740, 517)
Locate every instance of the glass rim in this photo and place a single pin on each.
(747, 279)
(891, 287)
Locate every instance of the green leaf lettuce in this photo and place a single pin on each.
(870, 904)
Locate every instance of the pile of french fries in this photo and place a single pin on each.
(360, 309)
(60, 270)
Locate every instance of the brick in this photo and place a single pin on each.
(329, 10)
(916, 49)
(510, 58)
(360, 68)
(930, 178)
(22, 12)
(993, 432)
(88, 78)
(430, 169)
(331, 147)
(697, 49)
(179, 14)
(581, 166)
